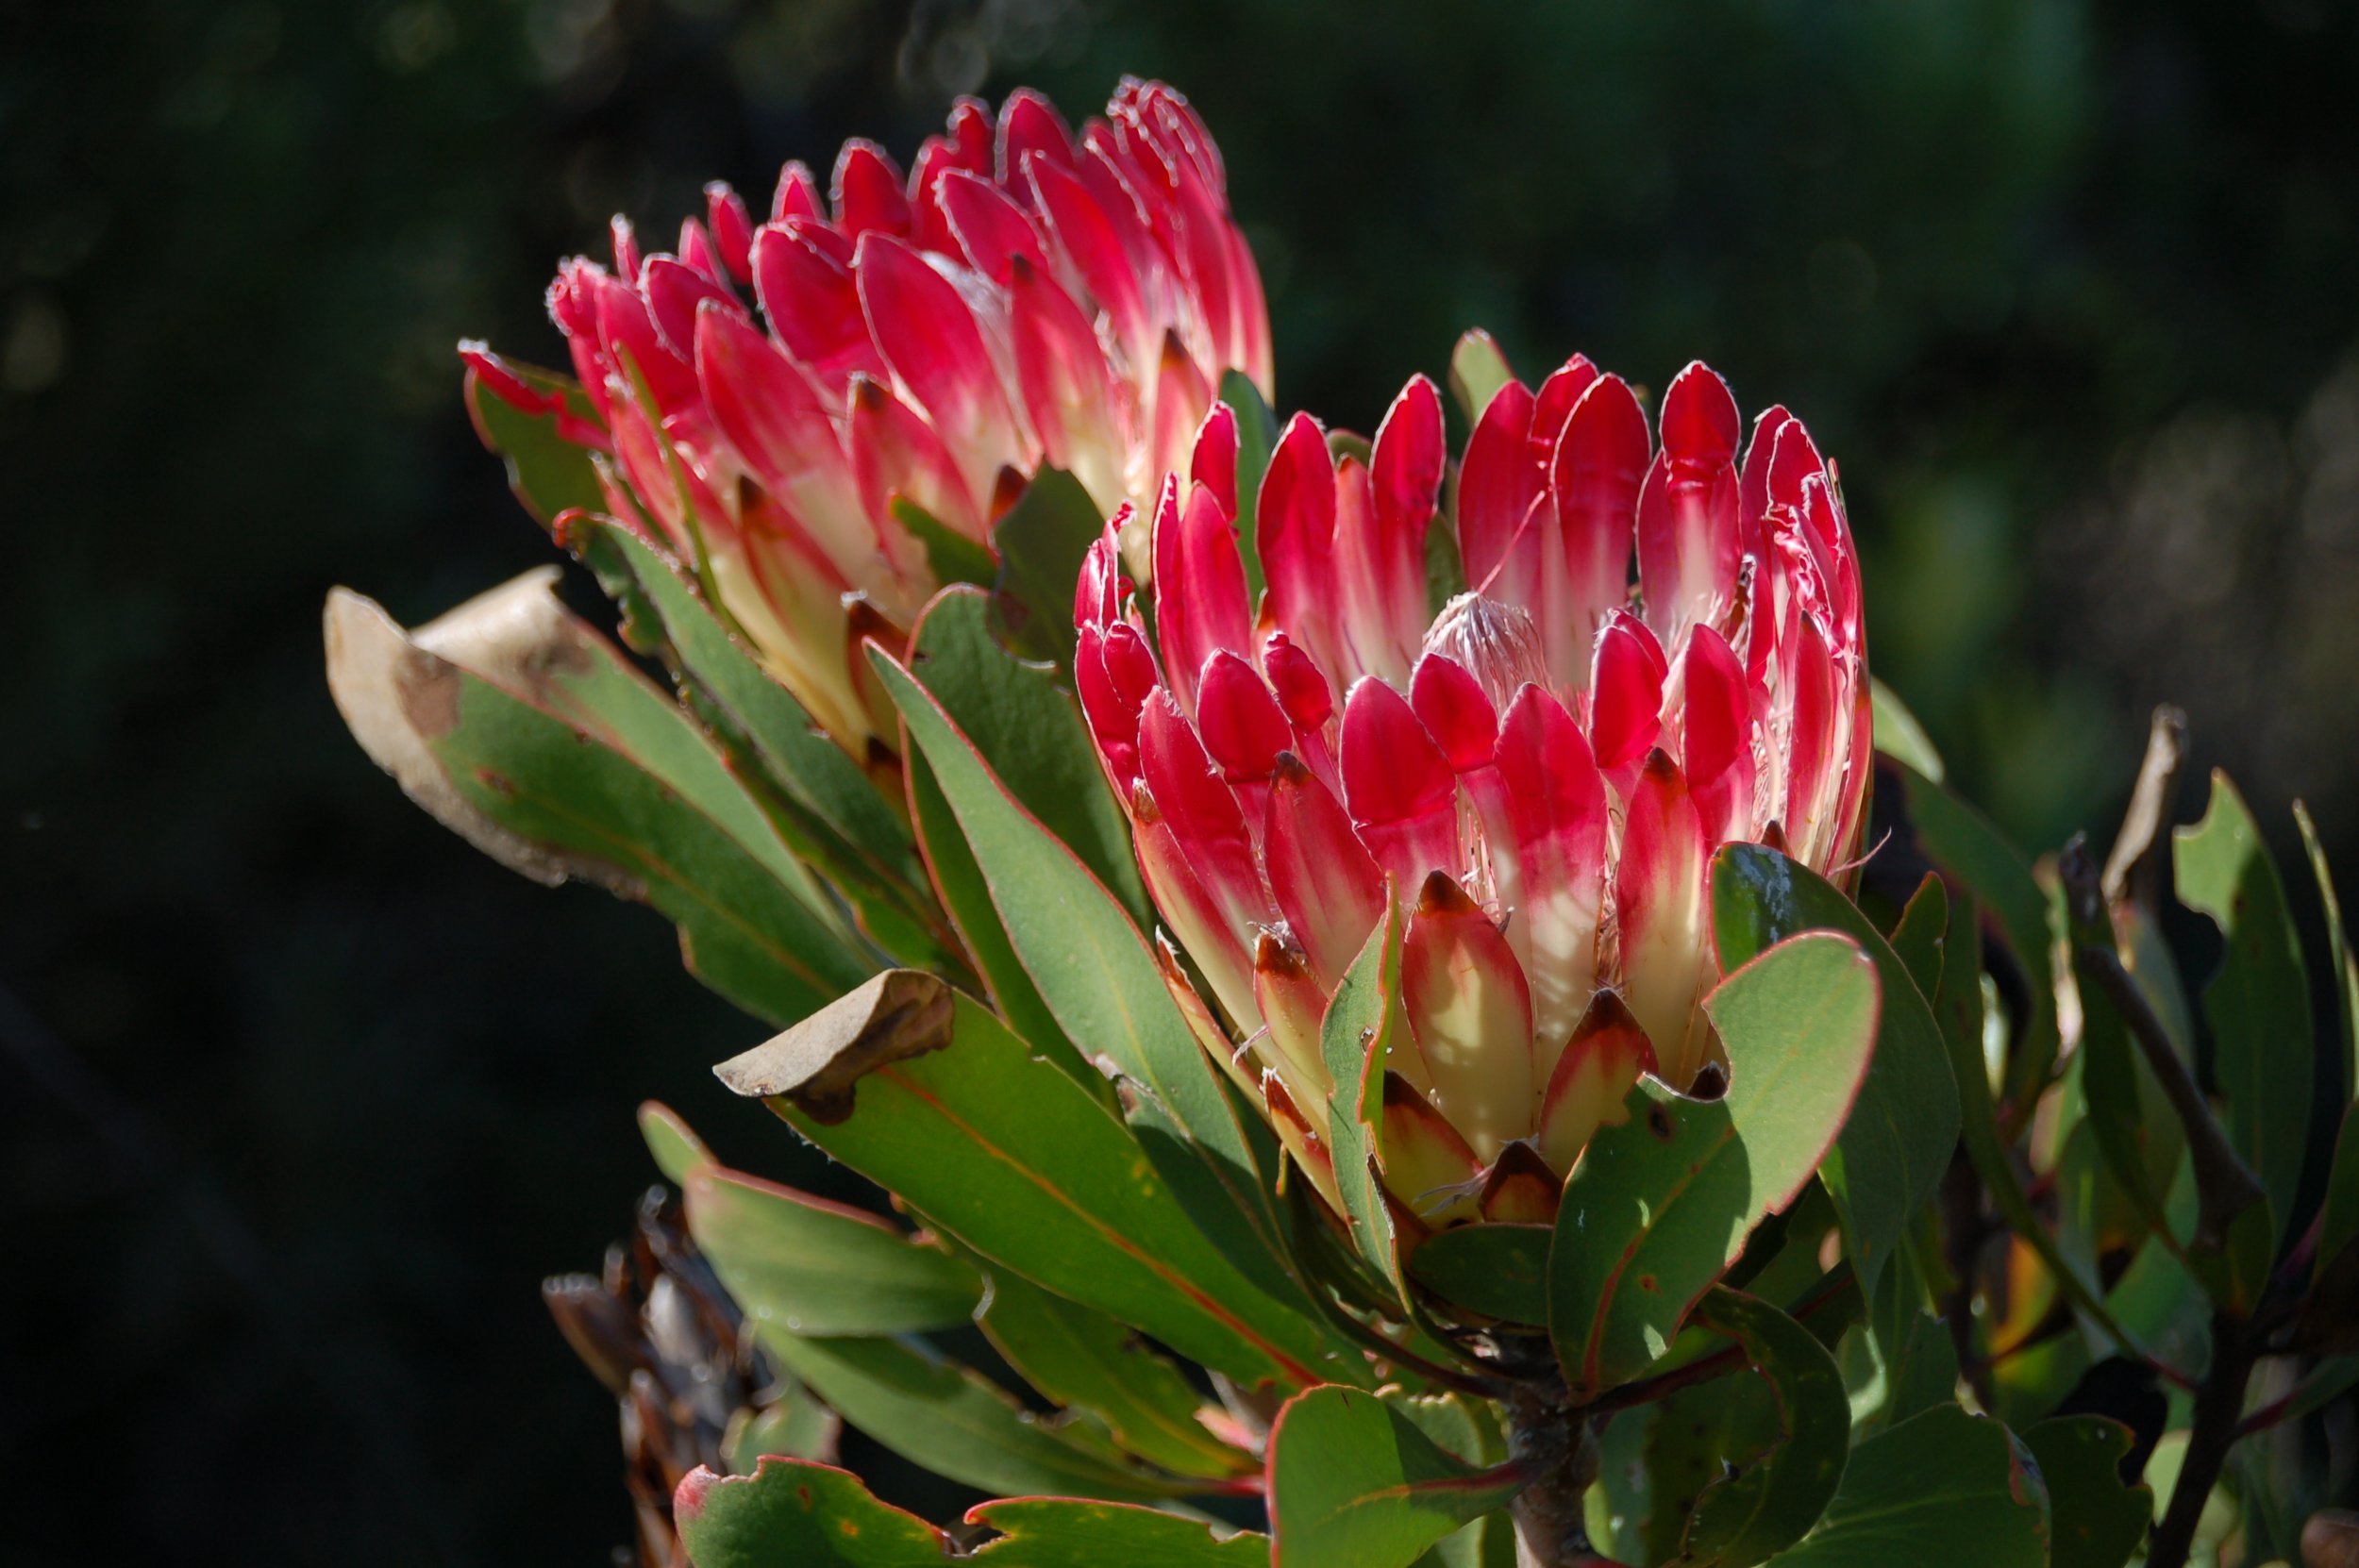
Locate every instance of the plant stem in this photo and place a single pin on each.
(2219, 1412)
(1547, 1435)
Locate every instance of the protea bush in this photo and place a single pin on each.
(1370, 974)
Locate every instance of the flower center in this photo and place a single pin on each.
(1496, 643)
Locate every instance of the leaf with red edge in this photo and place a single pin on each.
(1659, 1207)
(1001, 1148)
(1353, 1483)
(791, 1513)
(1898, 1142)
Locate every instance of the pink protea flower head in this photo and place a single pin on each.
(1023, 297)
(1540, 772)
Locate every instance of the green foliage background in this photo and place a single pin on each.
(299, 1095)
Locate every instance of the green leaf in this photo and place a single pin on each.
(532, 737)
(1097, 979)
(1917, 1369)
(1077, 1356)
(2259, 1003)
(678, 1152)
(1772, 1499)
(1959, 1011)
(795, 1424)
(1058, 1533)
(833, 815)
(816, 1267)
(794, 1514)
(1897, 1142)
(1477, 372)
(1659, 1206)
(1899, 735)
(1697, 1435)
(2338, 1221)
(1500, 1271)
(1945, 1487)
(1353, 1483)
(1029, 734)
(957, 1423)
(550, 475)
(789, 1513)
(2340, 960)
(2098, 1519)
(1921, 934)
(1257, 438)
(1003, 1150)
(1355, 1038)
(1041, 541)
(950, 555)
(958, 883)
(1963, 842)
(949, 1418)
(2128, 1113)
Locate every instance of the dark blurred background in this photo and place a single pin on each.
(299, 1097)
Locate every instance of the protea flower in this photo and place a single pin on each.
(1540, 772)
(1023, 298)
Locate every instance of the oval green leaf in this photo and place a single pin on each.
(1898, 1138)
(1659, 1206)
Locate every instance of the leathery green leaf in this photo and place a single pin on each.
(1470, 1430)
(1945, 1487)
(1354, 1483)
(953, 557)
(1899, 735)
(677, 1149)
(1659, 1206)
(2340, 956)
(791, 1513)
(2259, 1003)
(1897, 1142)
(1959, 1011)
(816, 1267)
(1500, 1271)
(2096, 1519)
(958, 885)
(1354, 1038)
(550, 475)
(1003, 1150)
(1257, 438)
(834, 814)
(1027, 731)
(1077, 1356)
(2338, 1221)
(1477, 372)
(957, 1423)
(1041, 541)
(1963, 842)
(528, 733)
(1769, 1502)
(1099, 980)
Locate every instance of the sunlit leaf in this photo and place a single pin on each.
(1353, 1483)
(817, 1267)
(1005, 1151)
(1660, 1206)
(518, 726)
(1897, 1142)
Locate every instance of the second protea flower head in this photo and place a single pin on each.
(1023, 298)
(1539, 772)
